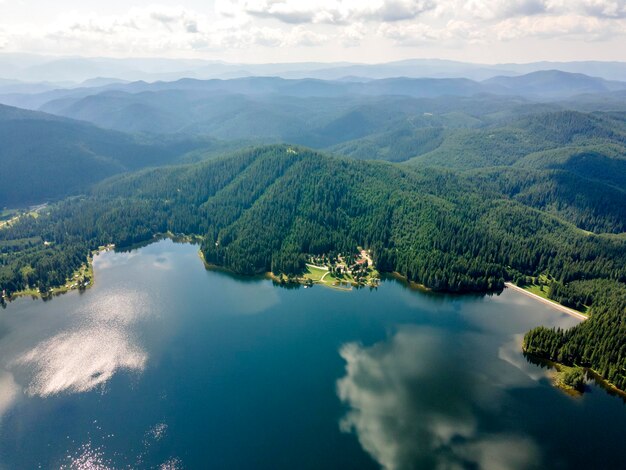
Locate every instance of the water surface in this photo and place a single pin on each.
(163, 364)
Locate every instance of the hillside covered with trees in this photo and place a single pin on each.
(263, 210)
(45, 157)
(477, 193)
(598, 343)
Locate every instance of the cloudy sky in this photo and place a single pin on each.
(485, 31)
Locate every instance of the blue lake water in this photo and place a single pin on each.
(163, 364)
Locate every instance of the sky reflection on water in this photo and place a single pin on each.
(73, 351)
(165, 364)
(414, 404)
(86, 352)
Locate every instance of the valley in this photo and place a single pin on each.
(359, 236)
(280, 234)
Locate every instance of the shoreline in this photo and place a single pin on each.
(194, 239)
(557, 368)
(554, 305)
(410, 284)
(85, 268)
(282, 281)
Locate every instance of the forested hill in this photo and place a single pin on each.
(513, 141)
(44, 156)
(264, 209)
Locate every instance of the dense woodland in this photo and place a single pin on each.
(44, 157)
(598, 343)
(510, 192)
(264, 210)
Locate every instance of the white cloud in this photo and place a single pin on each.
(240, 38)
(490, 9)
(484, 21)
(156, 29)
(352, 35)
(327, 11)
(302, 36)
(150, 29)
(502, 9)
(454, 32)
(598, 8)
(564, 26)
(249, 26)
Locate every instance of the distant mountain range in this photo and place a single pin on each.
(74, 70)
(445, 122)
(554, 83)
(547, 85)
(61, 152)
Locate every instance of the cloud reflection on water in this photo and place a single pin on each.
(80, 360)
(414, 404)
(8, 391)
(99, 341)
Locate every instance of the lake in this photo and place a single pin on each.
(163, 364)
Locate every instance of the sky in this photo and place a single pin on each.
(263, 31)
